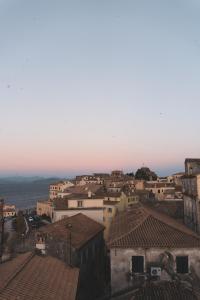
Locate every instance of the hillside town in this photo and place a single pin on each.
(106, 236)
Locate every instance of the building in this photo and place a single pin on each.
(176, 178)
(191, 197)
(79, 242)
(161, 190)
(146, 244)
(9, 210)
(117, 173)
(90, 206)
(31, 276)
(139, 184)
(192, 166)
(89, 179)
(58, 187)
(117, 202)
(44, 208)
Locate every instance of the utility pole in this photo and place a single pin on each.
(1, 228)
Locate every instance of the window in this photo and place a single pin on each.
(182, 264)
(158, 191)
(80, 203)
(109, 209)
(137, 264)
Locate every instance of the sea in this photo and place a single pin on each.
(24, 195)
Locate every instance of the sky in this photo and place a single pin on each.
(89, 86)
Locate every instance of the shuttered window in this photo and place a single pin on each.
(182, 264)
(138, 264)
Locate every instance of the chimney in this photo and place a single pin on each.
(40, 245)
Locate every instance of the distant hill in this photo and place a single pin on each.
(24, 179)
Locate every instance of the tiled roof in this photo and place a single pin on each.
(113, 194)
(82, 229)
(84, 189)
(164, 291)
(108, 202)
(60, 203)
(159, 185)
(172, 208)
(144, 227)
(33, 277)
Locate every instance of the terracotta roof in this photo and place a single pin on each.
(172, 208)
(113, 194)
(82, 230)
(34, 277)
(108, 202)
(60, 203)
(142, 226)
(165, 291)
(159, 185)
(84, 189)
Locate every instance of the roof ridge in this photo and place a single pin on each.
(17, 271)
(177, 229)
(180, 227)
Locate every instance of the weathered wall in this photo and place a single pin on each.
(121, 263)
(87, 203)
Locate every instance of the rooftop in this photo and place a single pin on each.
(34, 277)
(165, 291)
(159, 185)
(142, 226)
(84, 189)
(82, 229)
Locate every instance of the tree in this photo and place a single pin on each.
(145, 173)
(20, 223)
(130, 174)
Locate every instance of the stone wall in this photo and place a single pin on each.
(165, 258)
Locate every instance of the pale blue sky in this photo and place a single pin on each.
(97, 85)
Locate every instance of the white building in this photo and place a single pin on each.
(58, 188)
(91, 206)
(9, 210)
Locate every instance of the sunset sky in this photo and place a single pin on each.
(98, 85)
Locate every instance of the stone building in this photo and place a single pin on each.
(78, 240)
(149, 245)
(192, 166)
(161, 190)
(58, 188)
(191, 197)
